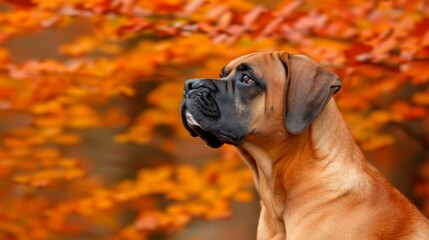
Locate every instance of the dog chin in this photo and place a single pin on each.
(195, 129)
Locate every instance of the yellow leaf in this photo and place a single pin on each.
(81, 46)
(243, 196)
(74, 173)
(67, 162)
(22, 179)
(377, 142)
(82, 116)
(66, 138)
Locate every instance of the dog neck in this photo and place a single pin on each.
(292, 169)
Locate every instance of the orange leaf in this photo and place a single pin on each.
(66, 139)
(377, 142)
(421, 98)
(48, 153)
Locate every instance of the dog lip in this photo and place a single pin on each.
(191, 91)
(187, 92)
(210, 138)
(191, 120)
(185, 122)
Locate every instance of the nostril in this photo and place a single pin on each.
(192, 84)
(189, 85)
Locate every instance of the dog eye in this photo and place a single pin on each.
(246, 79)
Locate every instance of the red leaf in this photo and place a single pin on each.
(358, 53)
(251, 16)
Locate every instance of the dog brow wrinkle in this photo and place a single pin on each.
(243, 67)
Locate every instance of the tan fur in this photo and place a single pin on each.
(317, 184)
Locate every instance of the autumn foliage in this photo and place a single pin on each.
(122, 74)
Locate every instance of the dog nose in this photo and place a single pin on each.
(197, 83)
(193, 84)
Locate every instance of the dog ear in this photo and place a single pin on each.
(309, 87)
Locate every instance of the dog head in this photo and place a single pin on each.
(257, 94)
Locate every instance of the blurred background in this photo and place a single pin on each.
(91, 141)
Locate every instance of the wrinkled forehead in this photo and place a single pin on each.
(252, 59)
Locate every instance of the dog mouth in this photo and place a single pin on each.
(191, 120)
(201, 115)
(195, 129)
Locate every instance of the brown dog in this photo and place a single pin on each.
(313, 180)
